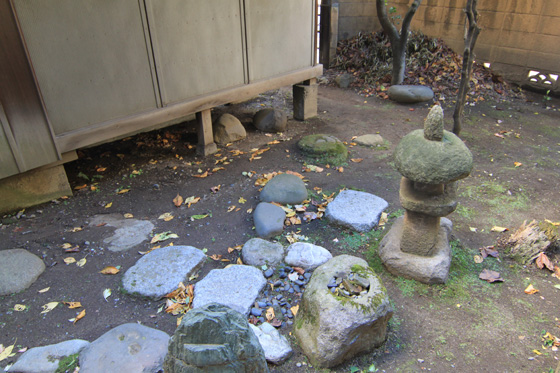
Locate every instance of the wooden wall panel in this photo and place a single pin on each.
(91, 59)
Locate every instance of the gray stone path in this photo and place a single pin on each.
(129, 232)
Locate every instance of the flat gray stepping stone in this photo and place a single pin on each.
(45, 359)
(276, 347)
(129, 232)
(269, 220)
(258, 252)
(160, 271)
(18, 270)
(236, 287)
(369, 140)
(270, 120)
(410, 94)
(284, 189)
(306, 255)
(126, 348)
(228, 129)
(356, 210)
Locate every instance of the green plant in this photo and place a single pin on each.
(67, 364)
(547, 96)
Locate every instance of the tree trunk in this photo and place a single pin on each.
(466, 71)
(398, 40)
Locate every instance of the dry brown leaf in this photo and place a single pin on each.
(490, 276)
(123, 191)
(239, 261)
(80, 187)
(203, 175)
(178, 200)
(530, 289)
(356, 160)
(299, 270)
(270, 314)
(215, 256)
(72, 305)
(556, 272)
(295, 309)
(543, 261)
(80, 316)
(109, 270)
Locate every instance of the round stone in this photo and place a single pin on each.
(326, 147)
(18, 270)
(410, 94)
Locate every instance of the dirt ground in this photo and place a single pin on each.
(465, 325)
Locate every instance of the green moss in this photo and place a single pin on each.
(68, 363)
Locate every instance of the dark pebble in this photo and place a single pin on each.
(274, 302)
(291, 291)
(307, 275)
(256, 312)
(284, 311)
(279, 296)
(268, 273)
(297, 288)
(299, 282)
(268, 304)
(278, 284)
(283, 274)
(261, 319)
(262, 304)
(290, 322)
(333, 290)
(289, 314)
(332, 283)
(283, 324)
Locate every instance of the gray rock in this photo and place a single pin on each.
(284, 189)
(356, 210)
(344, 80)
(228, 129)
(126, 348)
(332, 329)
(268, 219)
(270, 120)
(236, 286)
(45, 359)
(370, 140)
(258, 252)
(429, 270)
(18, 270)
(306, 255)
(325, 148)
(129, 232)
(276, 347)
(160, 271)
(409, 94)
(216, 339)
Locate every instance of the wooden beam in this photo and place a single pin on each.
(101, 132)
(206, 144)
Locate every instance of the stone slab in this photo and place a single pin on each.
(45, 359)
(306, 255)
(129, 232)
(356, 210)
(410, 94)
(258, 252)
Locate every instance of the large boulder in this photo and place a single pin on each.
(18, 270)
(228, 129)
(45, 359)
(333, 328)
(214, 338)
(284, 189)
(270, 120)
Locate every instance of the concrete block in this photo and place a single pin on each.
(305, 101)
(552, 8)
(543, 61)
(527, 6)
(33, 187)
(521, 22)
(549, 26)
(510, 56)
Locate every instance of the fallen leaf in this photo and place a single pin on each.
(76, 229)
(128, 215)
(191, 200)
(19, 307)
(215, 257)
(537, 352)
(242, 200)
(530, 289)
(299, 270)
(49, 307)
(356, 160)
(109, 270)
(231, 208)
(80, 187)
(109, 205)
(383, 219)
(276, 323)
(270, 314)
(203, 175)
(490, 276)
(215, 189)
(198, 217)
(488, 251)
(66, 245)
(101, 169)
(80, 316)
(73, 305)
(44, 290)
(239, 261)
(340, 169)
(69, 260)
(6, 352)
(499, 229)
(472, 229)
(74, 249)
(478, 259)
(295, 309)
(106, 294)
(273, 142)
(166, 217)
(81, 262)
(556, 272)
(555, 223)
(123, 191)
(543, 261)
(216, 169)
(178, 200)
(517, 164)
(163, 236)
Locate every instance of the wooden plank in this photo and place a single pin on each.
(206, 145)
(23, 110)
(112, 129)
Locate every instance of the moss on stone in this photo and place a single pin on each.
(324, 148)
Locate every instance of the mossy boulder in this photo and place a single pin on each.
(324, 148)
(330, 328)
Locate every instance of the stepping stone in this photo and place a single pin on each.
(269, 220)
(356, 210)
(258, 252)
(410, 94)
(370, 140)
(46, 358)
(129, 232)
(276, 347)
(306, 255)
(214, 338)
(228, 129)
(126, 348)
(160, 271)
(284, 189)
(270, 120)
(236, 287)
(326, 148)
(18, 270)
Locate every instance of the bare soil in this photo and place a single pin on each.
(465, 325)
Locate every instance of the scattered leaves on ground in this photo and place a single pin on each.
(490, 276)
(163, 236)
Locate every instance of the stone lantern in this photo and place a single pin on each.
(431, 161)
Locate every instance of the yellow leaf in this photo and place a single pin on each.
(191, 201)
(216, 169)
(178, 200)
(498, 229)
(273, 142)
(166, 217)
(19, 307)
(109, 270)
(242, 200)
(295, 309)
(49, 307)
(44, 290)
(537, 352)
(81, 262)
(109, 205)
(66, 245)
(270, 314)
(73, 305)
(341, 169)
(80, 187)
(128, 215)
(239, 261)
(383, 219)
(80, 316)
(76, 229)
(530, 289)
(205, 174)
(6, 352)
(69, 260)
(231, 208)
(555, 223)
(357, 160)
(123, 191)
(478, 259)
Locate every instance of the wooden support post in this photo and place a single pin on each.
(305, 99)
(206, 145)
